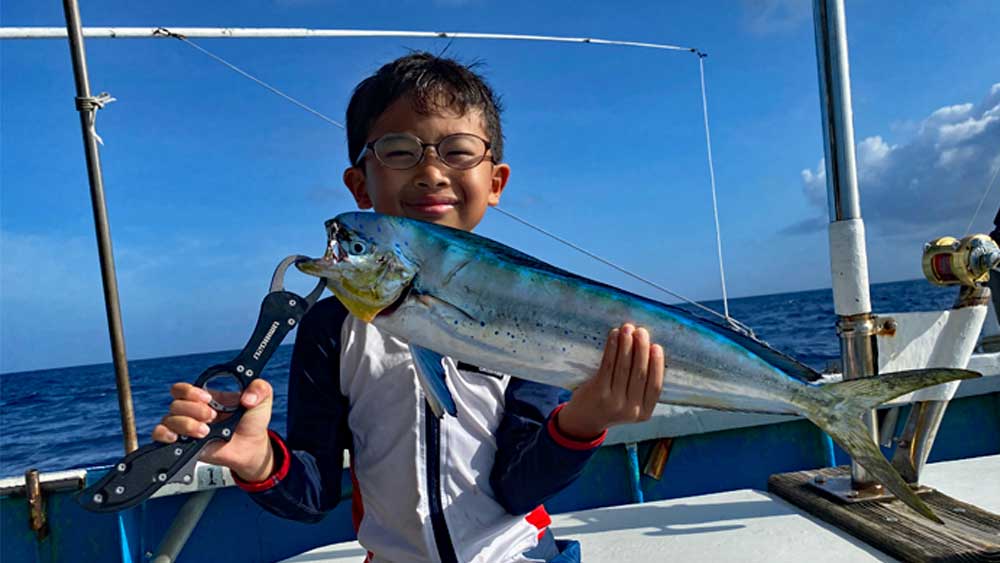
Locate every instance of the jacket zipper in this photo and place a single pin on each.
(442, 537)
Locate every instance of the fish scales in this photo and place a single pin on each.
(552, 324)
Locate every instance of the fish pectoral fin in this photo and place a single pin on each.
(430, 372)
(431, 301)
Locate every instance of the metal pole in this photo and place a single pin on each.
(848, 258)
(87, 109)
(283, 32)
(182, 526)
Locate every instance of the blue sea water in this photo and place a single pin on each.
(66, 418)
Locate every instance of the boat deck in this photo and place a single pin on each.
(744, 525)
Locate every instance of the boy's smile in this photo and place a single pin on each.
(430, 191)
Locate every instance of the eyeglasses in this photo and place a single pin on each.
(401, 151)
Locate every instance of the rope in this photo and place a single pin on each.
(164, 31)
(989, 188)
(90, 105)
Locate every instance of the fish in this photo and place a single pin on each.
(450, 292)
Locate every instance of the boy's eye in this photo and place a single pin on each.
(399, 153)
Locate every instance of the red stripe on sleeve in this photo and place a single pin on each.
(568, 442)
(282, 461)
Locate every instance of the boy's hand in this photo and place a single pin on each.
(249, 452)
(625, 388)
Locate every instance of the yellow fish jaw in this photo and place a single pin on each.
(360, 308)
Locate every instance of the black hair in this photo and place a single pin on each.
(432, 84)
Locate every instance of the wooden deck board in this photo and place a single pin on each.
(969, 534)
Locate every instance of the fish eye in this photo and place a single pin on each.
(354, 247)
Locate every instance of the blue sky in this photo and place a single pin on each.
(211, 180)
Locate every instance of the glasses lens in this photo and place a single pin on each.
(462, 150)
(398, 151)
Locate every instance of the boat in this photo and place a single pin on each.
(649, 480)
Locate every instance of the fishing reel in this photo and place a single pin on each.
(950, 261)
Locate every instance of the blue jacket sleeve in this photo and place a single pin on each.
(317, 421)
(531, 465)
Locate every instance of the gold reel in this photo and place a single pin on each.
(950, 261)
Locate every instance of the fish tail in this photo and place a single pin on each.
(851, 399)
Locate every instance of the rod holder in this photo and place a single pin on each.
(36, 504)
(859, 351)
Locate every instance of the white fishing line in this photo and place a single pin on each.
(272, 89)
(729, 320)
(989, 188)
(711, 172)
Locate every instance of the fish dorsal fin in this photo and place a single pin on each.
(786, 364)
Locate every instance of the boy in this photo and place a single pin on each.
(464, 488)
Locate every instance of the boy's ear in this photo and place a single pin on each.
(501, 173)
(354, 179)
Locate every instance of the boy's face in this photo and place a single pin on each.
(431, 191)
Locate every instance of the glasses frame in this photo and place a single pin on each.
(369, 148)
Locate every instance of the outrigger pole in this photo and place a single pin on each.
(848, 257)
(88, 106)
(300, 32)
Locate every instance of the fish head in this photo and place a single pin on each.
(364, 264)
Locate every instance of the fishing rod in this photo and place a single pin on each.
(88, 105)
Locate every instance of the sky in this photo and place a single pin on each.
(211, 180)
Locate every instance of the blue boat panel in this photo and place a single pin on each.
(971, 428)
(74, 534)
(233, 528)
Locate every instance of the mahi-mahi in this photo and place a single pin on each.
(450, 292)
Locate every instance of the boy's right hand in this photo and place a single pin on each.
(248, 453)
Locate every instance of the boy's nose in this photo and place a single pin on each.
(430, 171)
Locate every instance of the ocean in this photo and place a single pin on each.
(67, 418)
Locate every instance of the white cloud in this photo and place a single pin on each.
(950, 113)
(872, 152)
(815, 183)
(953, 134)
(930, 184)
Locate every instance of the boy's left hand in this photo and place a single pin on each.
(625, 388)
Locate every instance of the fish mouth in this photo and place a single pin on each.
(318, 267)
(323, 266)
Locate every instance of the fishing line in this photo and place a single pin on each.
(711, 172)
(735, 324)
(164, 31)
(731, 321)
(989, 188)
